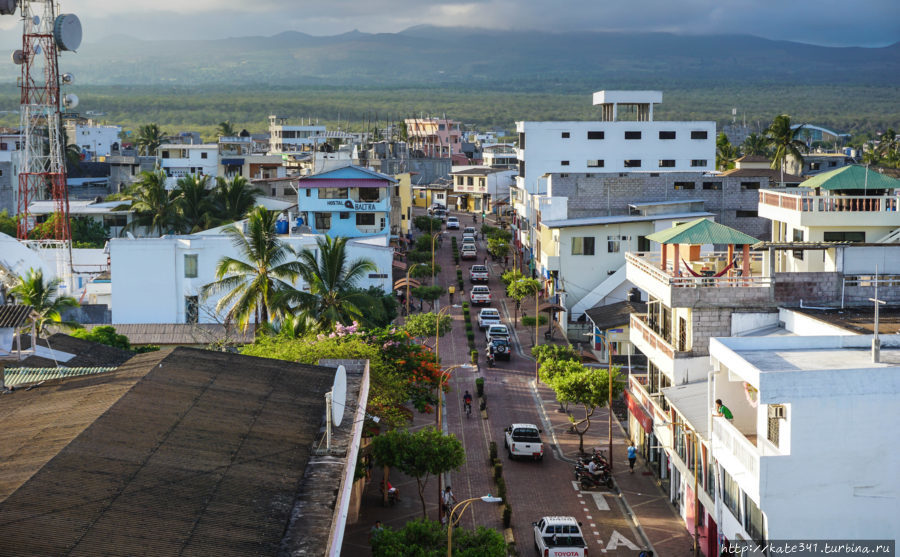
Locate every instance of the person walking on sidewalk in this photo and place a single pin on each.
(632, 456)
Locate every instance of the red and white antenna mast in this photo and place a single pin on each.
(42, 170)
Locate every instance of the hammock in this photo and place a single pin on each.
(717, 275)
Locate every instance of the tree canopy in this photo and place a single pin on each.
(428, 538)
(584, 386)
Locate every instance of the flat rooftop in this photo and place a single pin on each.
(858, 320)
(819, 359)
(614, 219)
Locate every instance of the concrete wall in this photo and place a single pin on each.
(742, 323)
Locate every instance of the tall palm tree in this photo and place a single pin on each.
(44, 298)
(233, 198)
(333, 295)
(251, 284)
(725, 153)
(194, 200)
(784, 140)
(149, 138)
(225, 129)
(889, 147)
(153, 205)
(756, 144)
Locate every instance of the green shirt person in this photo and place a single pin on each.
(722, 410)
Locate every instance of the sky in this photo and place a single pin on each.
(821, 22)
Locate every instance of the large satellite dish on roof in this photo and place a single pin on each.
(67, 31)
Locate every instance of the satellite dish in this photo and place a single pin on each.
(8, 7)
(18, 57)
(339, 396)
(70, 100)
(37, 49)
(67, 78)
(67, 32)
(36, 20)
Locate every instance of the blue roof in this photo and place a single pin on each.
(350, 172)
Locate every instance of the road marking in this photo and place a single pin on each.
(600, 500)
(576, 486)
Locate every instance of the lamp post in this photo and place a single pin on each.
(434, 237)
(693, 435)
(408, 270)
(440, 424)
(609, 404)
(465, 505)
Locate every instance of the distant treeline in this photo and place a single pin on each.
(859, 110)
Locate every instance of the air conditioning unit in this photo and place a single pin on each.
(777, 411)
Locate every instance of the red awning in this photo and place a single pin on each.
(636, 410)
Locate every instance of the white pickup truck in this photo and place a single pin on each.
(559, 536)
(524, 440)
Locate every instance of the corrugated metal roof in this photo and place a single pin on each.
(702, 231)
(852, 177)
(13, 377)
(14, 315)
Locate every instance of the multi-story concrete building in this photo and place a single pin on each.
(94, 140)
(478, 188)
(181, 159)
(284, 138)
(238, 156)
(500, 155)
(434, 137)
(351, 202)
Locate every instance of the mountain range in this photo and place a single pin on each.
(427, 56)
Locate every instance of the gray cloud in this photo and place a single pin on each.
(825, 22)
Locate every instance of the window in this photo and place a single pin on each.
(365, 219)
(595, 135)
(632, 163)
(165, 154)
(667, 135)
(521, 140)
(683, 185)
(583, 245)
(333, 193)
(832, 163)
(470, 181)
(754, 521)
(814, 165)
(377, 276)
(191, 309)
(323, 221)
(746, 214)
(343, 215)
(632, 135)
(369, 195)
(595, 164)
(844, 237)
(563, 175)
(712, 186)
(667, 163)
(565, 135)
(613, 244)
(190, 265)
(749, 185)
(731, 494)
(698, 135)
(643, 243)
(521, 169)
(204, 155)
(798, 237)
(698, 162)
(308, 192)
(481, 182)
(564, 163)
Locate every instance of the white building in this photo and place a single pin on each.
(95, 140)
(284, 138)
(158, 280)
(181, 159)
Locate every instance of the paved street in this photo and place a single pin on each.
(535, 489)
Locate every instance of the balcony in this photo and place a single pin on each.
(738, 453)
(833, 210)
(645, 270)
(672, 362)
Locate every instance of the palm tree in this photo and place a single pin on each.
(756, 144)
(44, 298)
(225, 129)
(333, 295)
(889, 147)
(194, 201)
(784, 140)
(149, 138)
(153, 205)
(233, 198)
(725, 153)
(252, 285)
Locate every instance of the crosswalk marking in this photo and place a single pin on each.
(600, 500)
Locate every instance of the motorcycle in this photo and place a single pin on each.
(490, 359)
(590, 481)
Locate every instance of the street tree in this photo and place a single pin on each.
(585, 387)
(420, 454)
(520, 289)
(428, 538)
(424, 271)
(498, 248)
(556, 352)
(423, 326)
(43, 296)
(511, 276)
(428, 293)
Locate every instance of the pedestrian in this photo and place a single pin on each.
(632, 456)
(376, 530)
(485, 261)
(723, 411)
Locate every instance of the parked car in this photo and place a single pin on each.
(524, 440)
(495, 330)
(488, 317)
(481, 295)
(470, 231)
(468, 251)
(502, 348)
(468, 238)
(441, 214)
(558, 536)
(478, 273)
(452, 223)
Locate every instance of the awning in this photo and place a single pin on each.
(402, 283)
(547, 306)
(639, 413)
(232, 162)
(398, 265)
(690, 401)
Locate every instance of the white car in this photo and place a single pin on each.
(452, 223)
(488, 317)
(468, 251)
(558, 536)
(495, 331)
(524, 440)
(480, 295)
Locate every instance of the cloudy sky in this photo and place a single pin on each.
(824, 22)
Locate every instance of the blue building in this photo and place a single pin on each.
(351, 201)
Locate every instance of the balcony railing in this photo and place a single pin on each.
(651, 337)
(650, 263)
(733, 441)
(830, 203)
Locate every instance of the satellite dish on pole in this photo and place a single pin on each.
(18, 57)
(8, 7)
(67, 31)
(339, 396)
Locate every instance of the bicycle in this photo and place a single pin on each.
(468, 408)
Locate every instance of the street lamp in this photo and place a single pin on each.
(693, 435)
(484, 498)
(408, 270)
(440, 422)
(610, 410)
(433, 238)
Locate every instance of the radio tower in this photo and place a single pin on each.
(42, 171)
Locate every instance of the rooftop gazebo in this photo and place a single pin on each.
(855, 188)
(685, 259)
